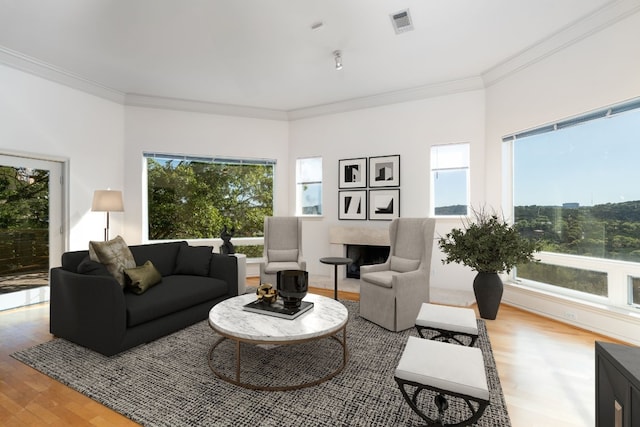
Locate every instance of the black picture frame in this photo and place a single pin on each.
(352, 205)
(384, 205)
(352, 173)
(384, 171)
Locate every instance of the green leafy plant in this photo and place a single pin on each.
(488, 244)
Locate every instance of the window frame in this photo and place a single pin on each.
(432, 177)
(298, 206)
(216, 242)
(619, 272)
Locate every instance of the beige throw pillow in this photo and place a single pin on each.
(115, 255)
(402, 265)
(143, 277)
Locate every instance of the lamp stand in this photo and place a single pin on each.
(106, 230)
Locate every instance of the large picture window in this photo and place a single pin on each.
(575, 187)
(196, 197)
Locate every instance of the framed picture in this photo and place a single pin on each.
(353, 173)
(384, 171)
(384, 204)
(352, 204)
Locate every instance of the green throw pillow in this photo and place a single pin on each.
(114, 254)
(143, 277)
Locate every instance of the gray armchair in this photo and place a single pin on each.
(391, 293)
(282, 247)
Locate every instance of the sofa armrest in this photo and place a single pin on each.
(88, 310)
(225, 267)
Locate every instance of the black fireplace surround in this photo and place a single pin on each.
(364, 255)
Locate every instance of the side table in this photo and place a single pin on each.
(335, 261)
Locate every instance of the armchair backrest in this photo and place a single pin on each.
(282, 233)
(411, 239)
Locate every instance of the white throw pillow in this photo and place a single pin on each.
(403, 265)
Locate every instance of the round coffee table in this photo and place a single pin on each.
(326, 319)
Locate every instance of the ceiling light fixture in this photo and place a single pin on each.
(337, 56)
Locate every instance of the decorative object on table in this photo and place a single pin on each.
(107, 201)
(352, 173)
(267, 293)
(227, 246)
(489, 245)
(278, 309)
(282, 247)
(292, 286)
(384, 171)
(384, 204)
(352, 205)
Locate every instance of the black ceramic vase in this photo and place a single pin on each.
(488, 288)
(292, 286)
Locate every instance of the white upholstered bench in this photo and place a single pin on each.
(451, 323)
(446, 369)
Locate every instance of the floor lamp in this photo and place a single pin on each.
(107, 201)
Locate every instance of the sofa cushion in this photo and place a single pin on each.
(274, 267)
(403, 264)
(142, 278)
(92, 268)
(283, 255)
(193, 260)
(115, 255)
(173, 294)
(162, 255)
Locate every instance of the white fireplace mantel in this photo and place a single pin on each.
(340, 235)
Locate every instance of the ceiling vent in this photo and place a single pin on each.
(401, 21)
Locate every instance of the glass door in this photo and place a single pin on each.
(31, 239)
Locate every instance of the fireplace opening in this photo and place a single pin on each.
(364, 255)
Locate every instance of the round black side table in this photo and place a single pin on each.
(335, 261)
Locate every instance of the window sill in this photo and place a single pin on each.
(621, 323)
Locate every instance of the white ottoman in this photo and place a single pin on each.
(451, 323)
(446, 369)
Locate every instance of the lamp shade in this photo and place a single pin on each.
(107, 201)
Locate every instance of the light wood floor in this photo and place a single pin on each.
(546, 369)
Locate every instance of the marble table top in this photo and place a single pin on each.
(325, 318)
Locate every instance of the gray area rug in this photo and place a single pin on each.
(169, 383)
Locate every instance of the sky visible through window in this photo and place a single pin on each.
(593, 163)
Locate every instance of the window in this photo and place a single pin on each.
(309, 186)
(196, 197)
(575, 187)
(450, 179)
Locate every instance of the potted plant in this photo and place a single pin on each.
(489, 245)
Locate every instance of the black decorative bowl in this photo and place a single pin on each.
(292, 286)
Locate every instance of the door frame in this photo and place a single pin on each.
(61, 228)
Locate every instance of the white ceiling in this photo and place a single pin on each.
(264, 54)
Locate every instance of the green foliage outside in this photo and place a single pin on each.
(609, 231)
(24, 220)
(195, 200)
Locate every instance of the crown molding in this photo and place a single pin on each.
(33, 66)
(573, 33)
(405, 95)
(136, 100)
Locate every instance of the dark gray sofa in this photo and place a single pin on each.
(91, 309)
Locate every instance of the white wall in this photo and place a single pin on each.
(178, 132)
(52, 121)
(600, 70)
(408, 129)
